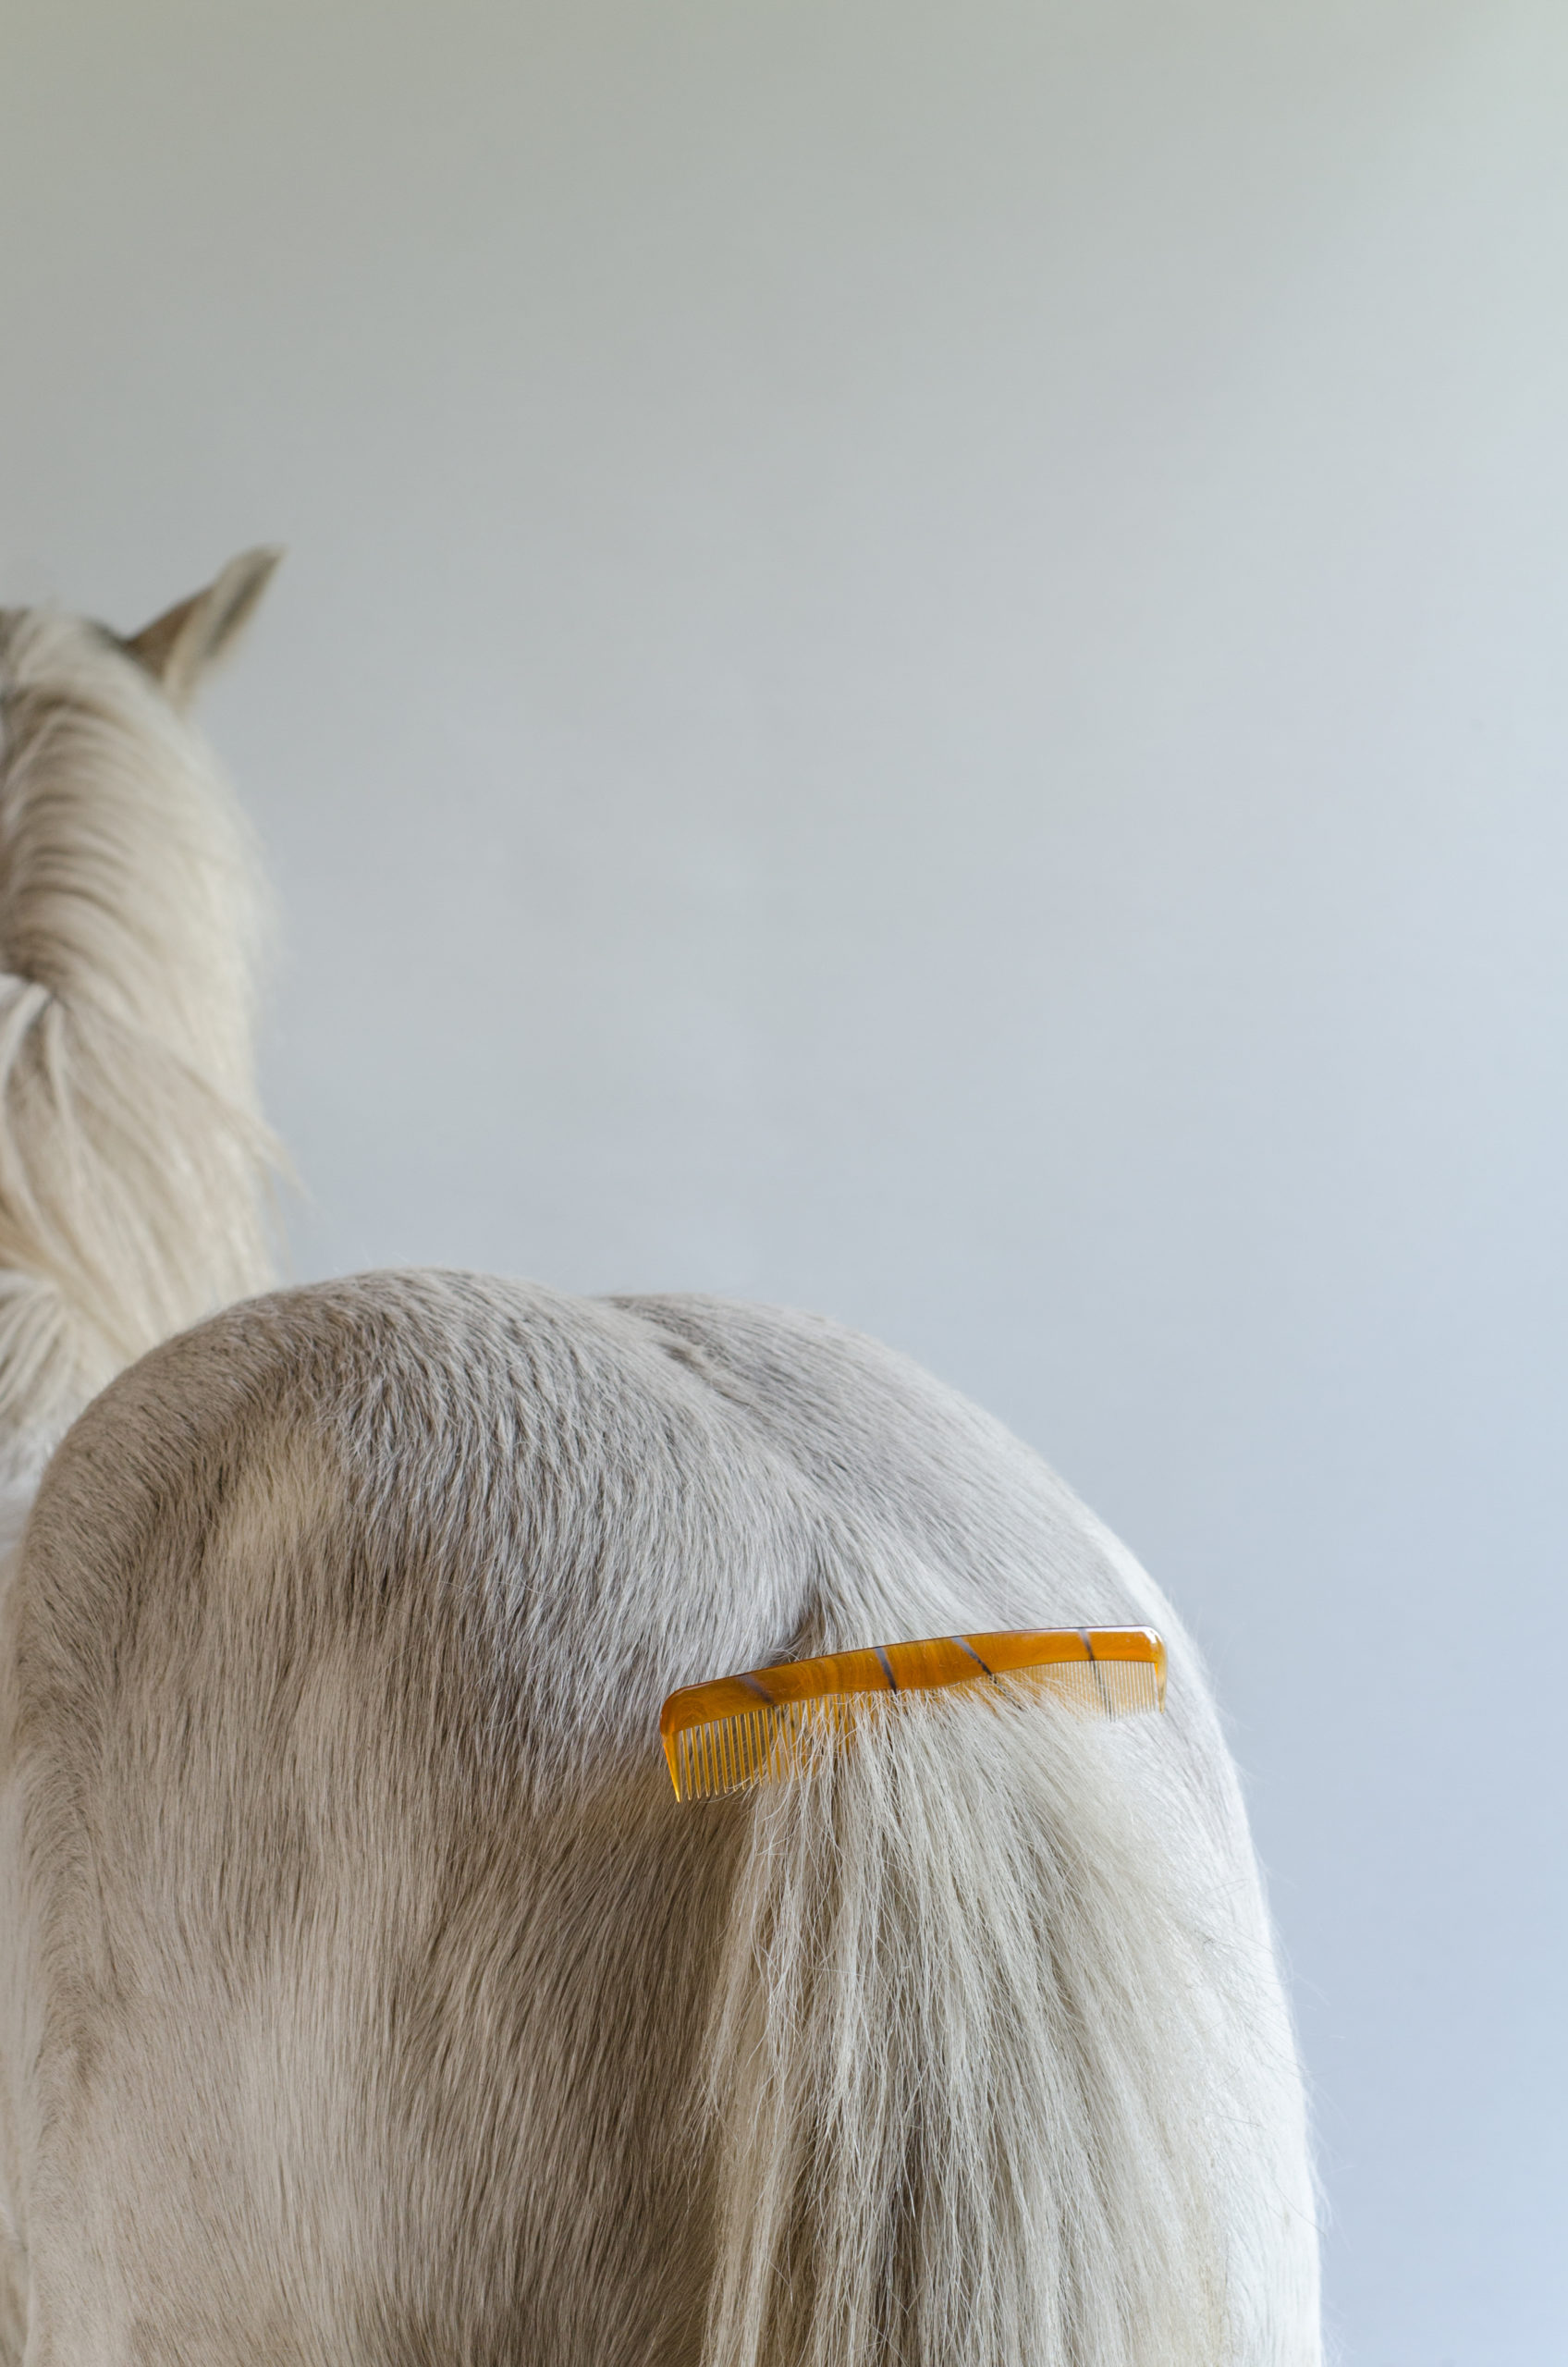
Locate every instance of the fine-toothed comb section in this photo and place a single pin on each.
(764, 1725)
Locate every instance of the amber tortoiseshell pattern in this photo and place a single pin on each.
(760, 1727)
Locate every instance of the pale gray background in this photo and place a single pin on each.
(923, 672)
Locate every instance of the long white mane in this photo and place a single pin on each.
(131, 1149)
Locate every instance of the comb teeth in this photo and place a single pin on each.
(777, 1740)
(1099, 1689)
(760, 1745)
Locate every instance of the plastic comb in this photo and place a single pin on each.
(761, 1727)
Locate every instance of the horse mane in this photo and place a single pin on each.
(345, 1620)
(132, 1155)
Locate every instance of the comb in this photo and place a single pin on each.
(762, 1726)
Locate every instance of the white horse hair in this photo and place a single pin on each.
(364, 1995)
(130, 1147)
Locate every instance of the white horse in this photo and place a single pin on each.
(365, 1996)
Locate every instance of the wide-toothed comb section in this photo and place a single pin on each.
(765, 1724)
(760, 1745)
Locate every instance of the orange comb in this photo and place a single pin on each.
(757, 1727)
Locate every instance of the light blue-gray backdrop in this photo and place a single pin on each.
(923, 671)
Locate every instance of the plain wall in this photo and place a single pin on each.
(921, 672)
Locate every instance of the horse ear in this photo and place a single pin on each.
(186, 641)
